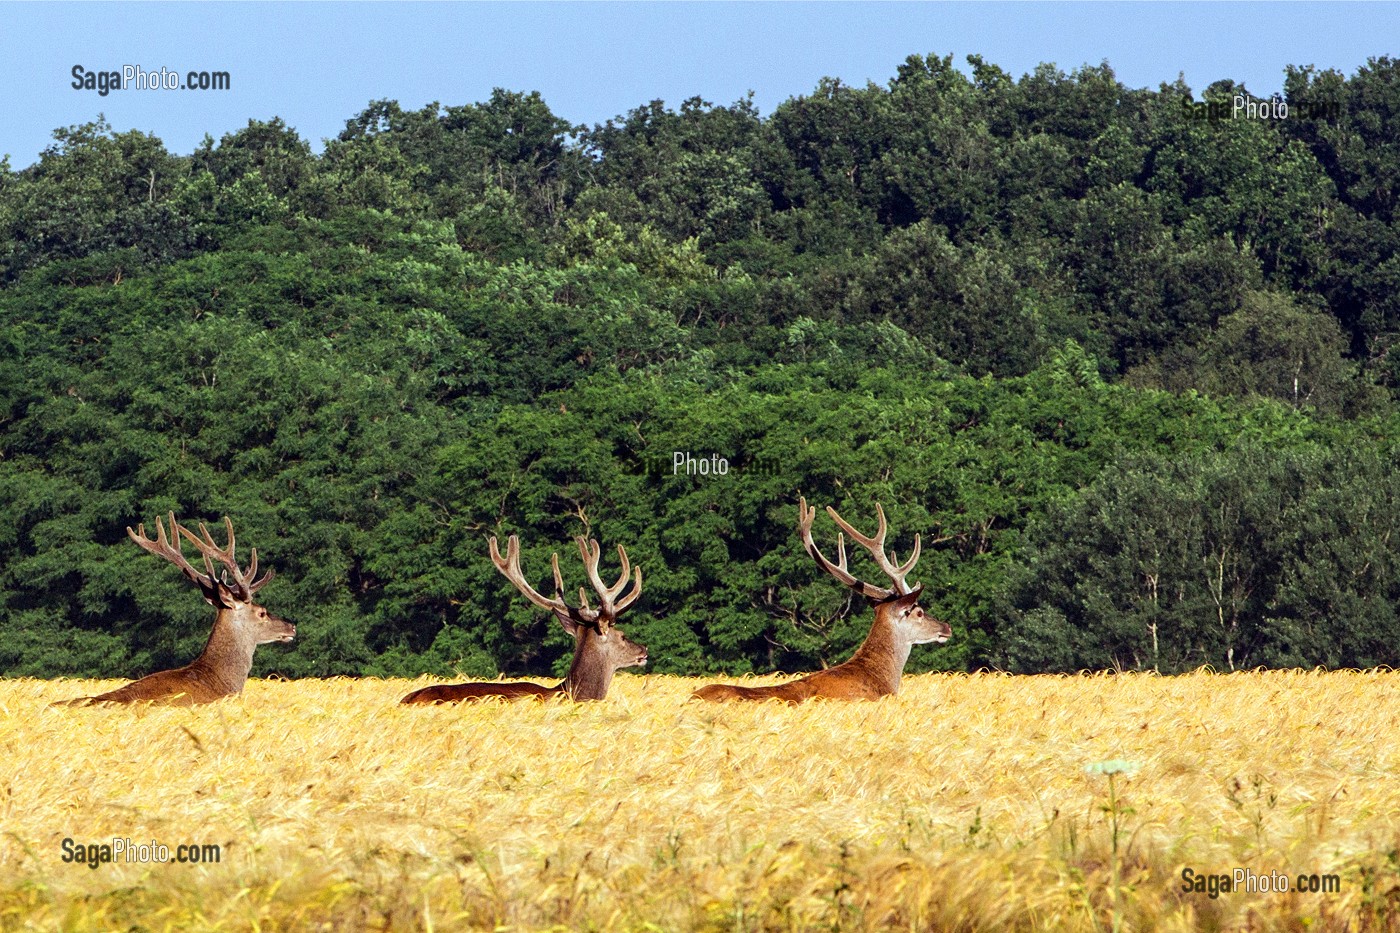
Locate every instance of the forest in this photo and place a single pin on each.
(1133, 374)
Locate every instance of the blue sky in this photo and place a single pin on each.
(317, 64)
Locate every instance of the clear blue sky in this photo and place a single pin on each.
(317, 64)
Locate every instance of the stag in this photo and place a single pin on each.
(240, 625)
(600, 648)
(900, 623)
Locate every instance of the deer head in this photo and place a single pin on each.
(230, 590)
(898, 604)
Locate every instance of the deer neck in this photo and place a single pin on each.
(884, 652)
(228, 654)
(590, 675)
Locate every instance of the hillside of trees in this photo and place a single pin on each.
(1133, 373)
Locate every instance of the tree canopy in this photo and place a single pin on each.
(1133, 368)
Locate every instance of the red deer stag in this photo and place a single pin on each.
(239, 627)
(900, 622)
(600, 648)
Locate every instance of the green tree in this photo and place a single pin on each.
(1273, 349)
(94, 192)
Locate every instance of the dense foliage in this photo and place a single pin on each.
(1132, 372)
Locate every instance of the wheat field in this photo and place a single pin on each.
(962, 804)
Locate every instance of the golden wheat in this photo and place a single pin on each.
(963, 803)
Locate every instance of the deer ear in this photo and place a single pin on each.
(905, 602)
(218, 596)
(569, 624)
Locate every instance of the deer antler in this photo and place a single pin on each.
(242, 584)
(609, 606)
(874, 544)
(169, 548)
(509, 566)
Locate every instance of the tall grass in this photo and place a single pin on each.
(962, 804)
